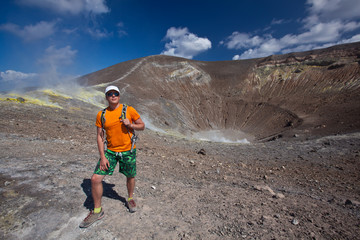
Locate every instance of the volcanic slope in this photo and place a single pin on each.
(312, 93)
(186, 189)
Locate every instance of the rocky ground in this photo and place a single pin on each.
(289, 188)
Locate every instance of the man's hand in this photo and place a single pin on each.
(137, 125)
(104, 164)
(126, 122)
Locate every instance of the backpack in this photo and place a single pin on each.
(133, 138)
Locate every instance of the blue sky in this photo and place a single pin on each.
(57, 39)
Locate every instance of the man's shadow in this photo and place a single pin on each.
(108, 192)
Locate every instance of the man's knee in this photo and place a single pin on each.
(96, 179)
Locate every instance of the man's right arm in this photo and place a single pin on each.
(104, 163)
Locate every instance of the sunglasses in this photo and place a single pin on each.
(109, 94)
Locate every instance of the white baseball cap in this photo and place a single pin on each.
(109, 88)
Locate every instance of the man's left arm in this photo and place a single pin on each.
(136, 125)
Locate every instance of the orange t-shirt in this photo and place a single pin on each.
(117, 134)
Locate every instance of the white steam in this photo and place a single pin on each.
(224, 136)
(55, 62)
(149, 125)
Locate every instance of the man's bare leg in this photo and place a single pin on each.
(130, 183)
(97, 189)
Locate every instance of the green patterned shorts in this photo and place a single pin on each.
(127, 163)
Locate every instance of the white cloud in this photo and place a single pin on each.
(37, 31)
(236, 57)
(327, 24)
(263, 50)
(11, 76)
(88, 8)
(278, 21)
(355, 38)
(96, 6)
(321, 32)
(184, 44)
(120, 31)
(243, 40)
(70, 30)
(301, 48)
(56, 57)
(176, 32)
(97, 33)
(69, 6)
(326, 10)
(10, 80)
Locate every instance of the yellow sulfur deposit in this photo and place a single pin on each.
(27, 99)
(56, 94)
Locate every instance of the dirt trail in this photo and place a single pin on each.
(283, 189)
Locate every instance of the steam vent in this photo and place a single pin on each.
(297, 94)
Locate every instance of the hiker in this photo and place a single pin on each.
(116, 143)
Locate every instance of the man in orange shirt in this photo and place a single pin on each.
(118, 131)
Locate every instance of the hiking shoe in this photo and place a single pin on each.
(131, 205)
(91, 218)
